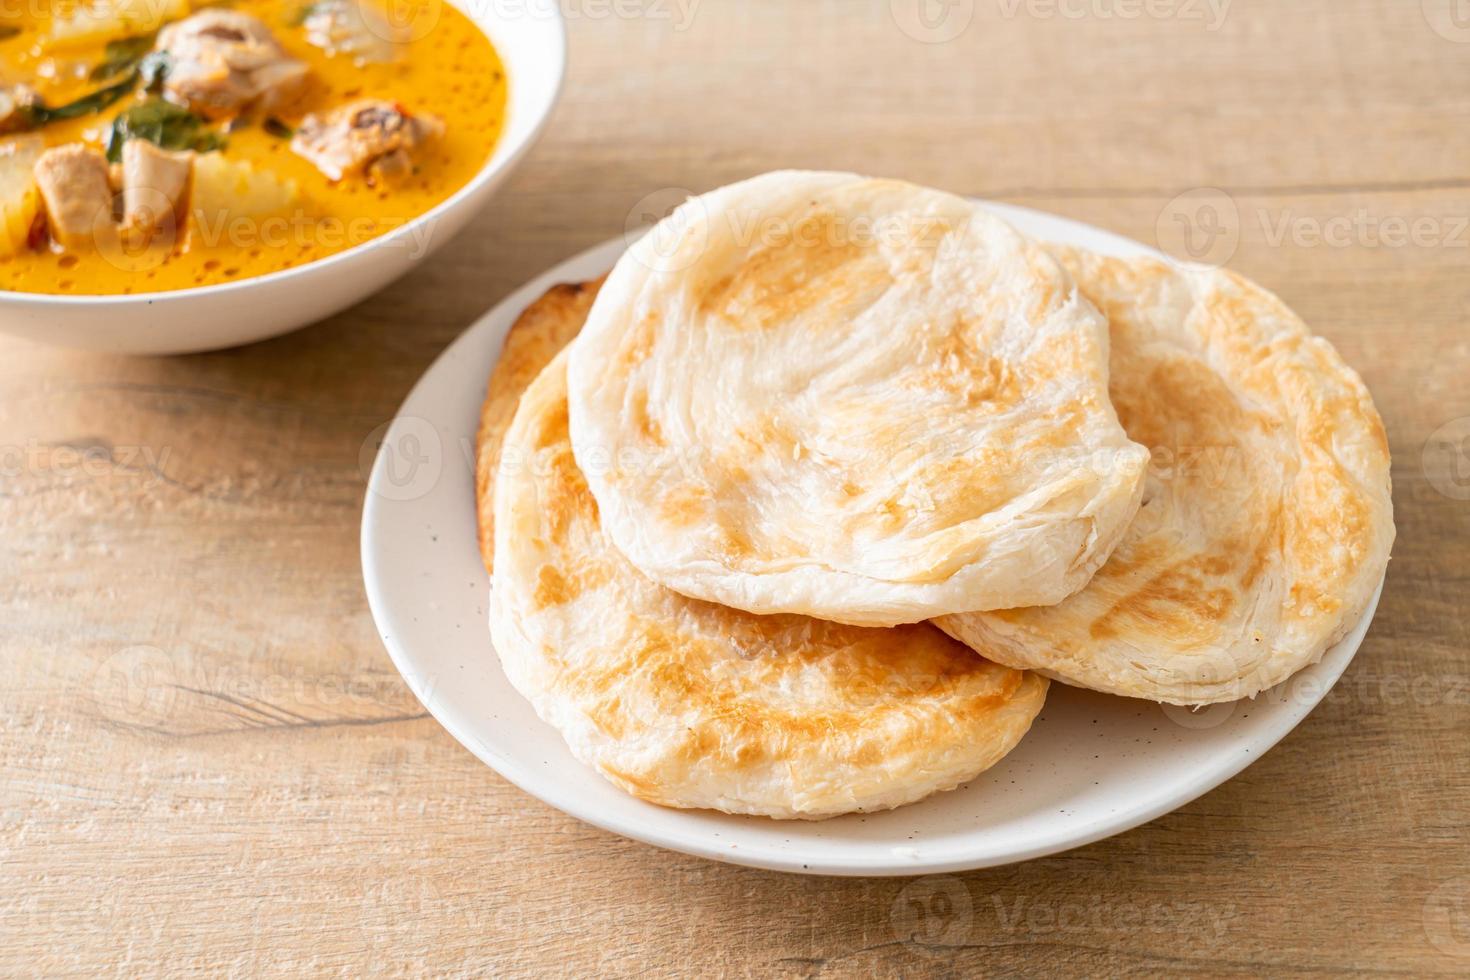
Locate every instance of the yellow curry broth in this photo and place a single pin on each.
(451, 70)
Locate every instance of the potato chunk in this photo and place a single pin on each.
(225, 190)
(95, 21)
(20, 199)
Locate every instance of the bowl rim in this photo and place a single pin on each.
(496, 164)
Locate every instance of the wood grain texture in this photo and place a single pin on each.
(208, 762)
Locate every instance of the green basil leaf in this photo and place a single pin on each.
(121, 55)
(40, 115)
(163, 124)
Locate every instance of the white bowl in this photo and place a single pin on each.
(531, 41)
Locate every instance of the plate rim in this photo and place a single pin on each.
(561, 794)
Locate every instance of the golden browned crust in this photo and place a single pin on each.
(1267, 517)
(539, 333)
(691, 704)
(853, 399)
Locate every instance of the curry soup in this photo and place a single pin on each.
(271, 174)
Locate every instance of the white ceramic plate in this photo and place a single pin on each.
(1092, 766)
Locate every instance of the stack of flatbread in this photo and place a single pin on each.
(797, 510)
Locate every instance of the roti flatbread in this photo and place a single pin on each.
(850, 398)
(537, 336)
(1266, 520)
(690, 704)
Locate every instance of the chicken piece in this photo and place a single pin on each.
(223, 62)
(74, 188)
(155, 187)
(355, 29)
(370, 137)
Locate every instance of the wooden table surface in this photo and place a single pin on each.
(208, 761)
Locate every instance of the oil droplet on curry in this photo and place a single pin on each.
(150, 145)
